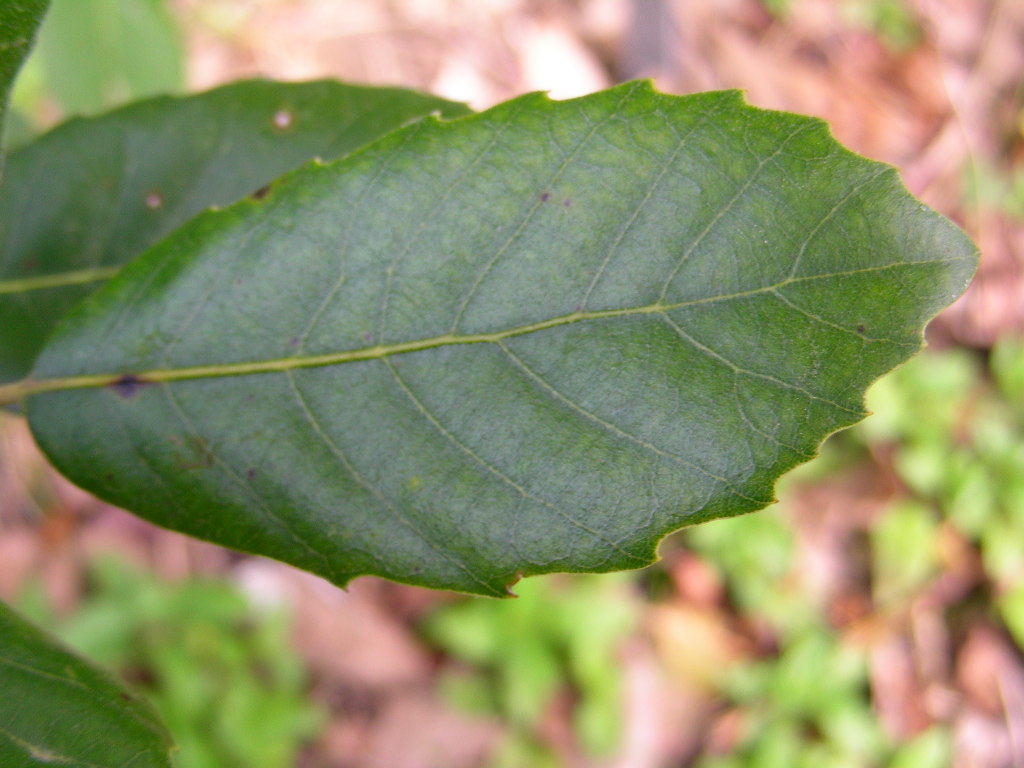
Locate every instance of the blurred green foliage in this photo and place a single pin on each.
(753, 555)
(805, 708)
(951, 424)
(891, 21)
(221, 675)
(92, 55)
(561, 637)
(808, 703)
(904, 555)
(956, 429)
(1000, 188)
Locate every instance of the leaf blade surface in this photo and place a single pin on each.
(94, 193)
(534, 339)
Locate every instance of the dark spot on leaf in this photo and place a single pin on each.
(578, 308)
(860, 329)
(250, 473)
(293, 341)
(128, 385)
(545, 196)
(260, 193)
(367, 337)
(196, 454)
(566, 203)
(109, 477)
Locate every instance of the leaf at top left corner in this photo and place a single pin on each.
(19, 22)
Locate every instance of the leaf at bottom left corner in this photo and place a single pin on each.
(56, 709)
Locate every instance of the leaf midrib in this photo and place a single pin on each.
(58, 279)
(20, 390)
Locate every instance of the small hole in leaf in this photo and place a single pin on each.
(283, 119)
(154, 200)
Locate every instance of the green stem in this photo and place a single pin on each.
(59, 280)
(17, 391)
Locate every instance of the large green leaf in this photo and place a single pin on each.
(529, 340)
(19, 20)
(94, 193)
(58, 710)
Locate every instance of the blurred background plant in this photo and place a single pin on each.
(92, 55)
(874, 617)
(221, 674)
(520, 659)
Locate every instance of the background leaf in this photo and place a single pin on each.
(94, 193)
(142, 52)
(529, 340)
(56, 709)
(19, 20)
